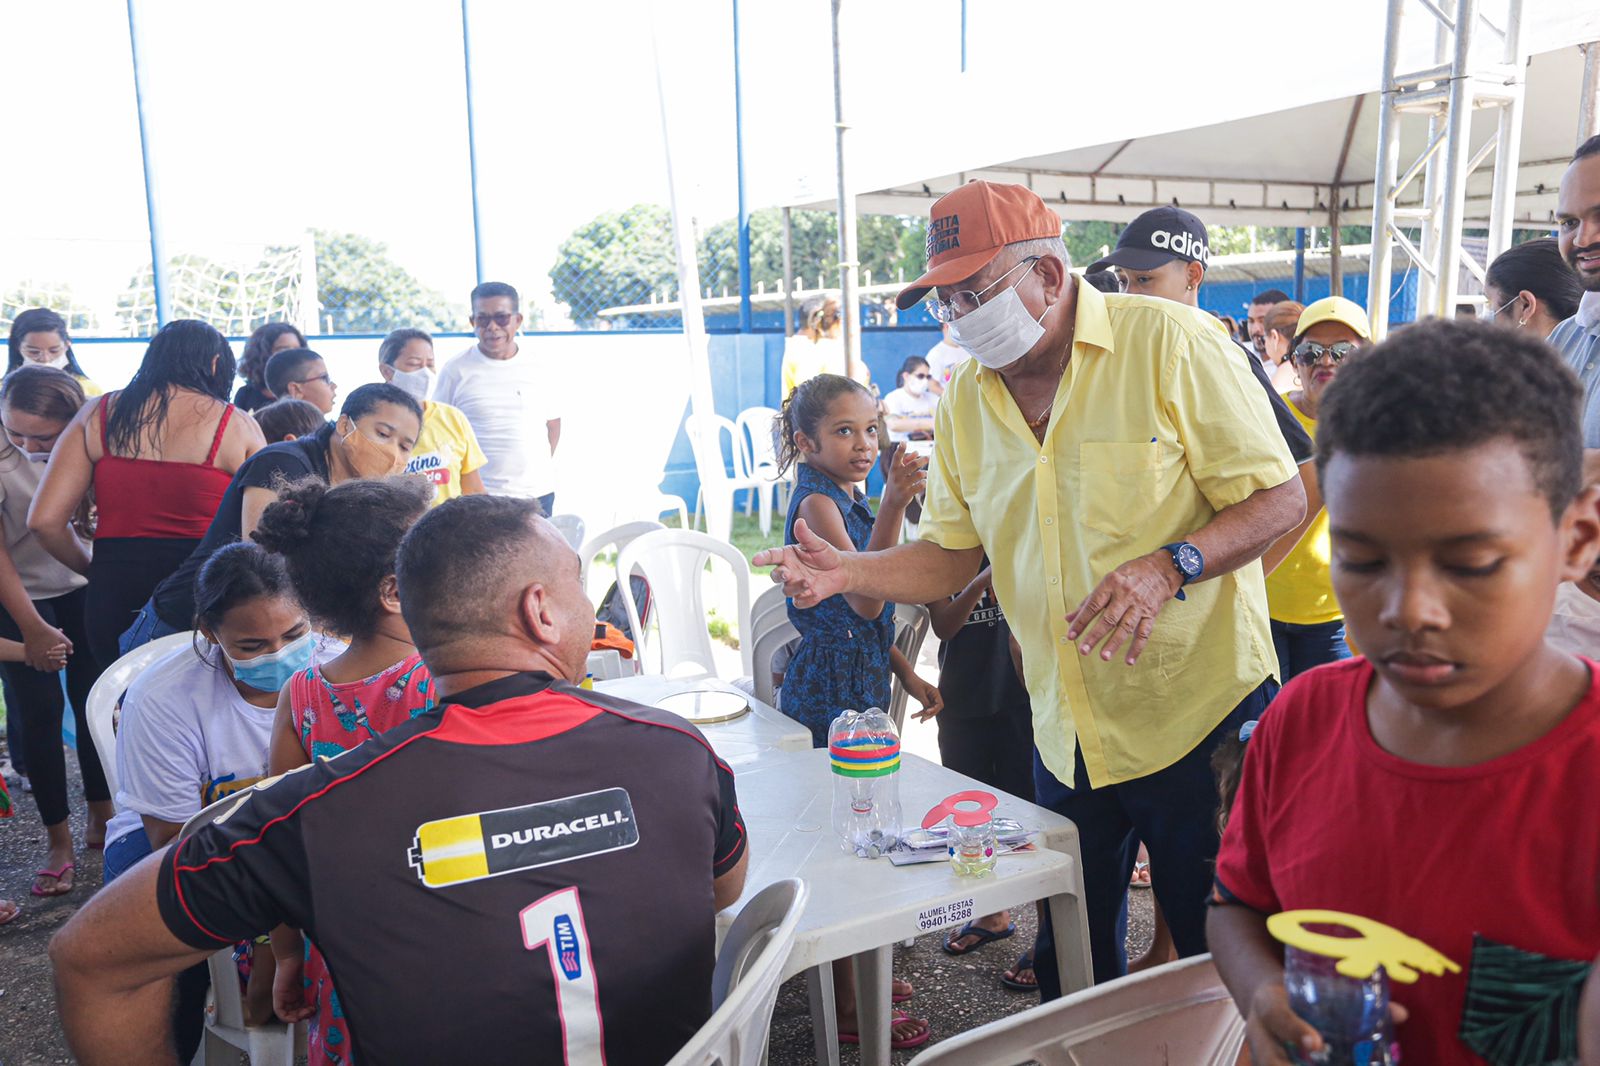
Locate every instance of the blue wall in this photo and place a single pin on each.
(746, 371)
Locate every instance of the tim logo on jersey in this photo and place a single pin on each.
(567, 953)
(469, 847)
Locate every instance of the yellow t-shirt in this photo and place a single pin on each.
(1300, 590)
(446, 449)
(90, 389)
(804, 359)
(1158, 425)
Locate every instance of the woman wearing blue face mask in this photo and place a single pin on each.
(42, 605)
(197, 725)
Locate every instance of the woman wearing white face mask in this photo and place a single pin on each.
(39, 337)
(908, 410)
(42, 605)
(447, 452)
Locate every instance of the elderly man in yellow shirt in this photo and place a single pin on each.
(1123, 471)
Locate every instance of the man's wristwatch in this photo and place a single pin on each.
(1188, 561)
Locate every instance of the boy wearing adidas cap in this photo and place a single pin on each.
(1111, 456)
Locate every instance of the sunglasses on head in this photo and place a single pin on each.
(499, 318)
(1309, 352)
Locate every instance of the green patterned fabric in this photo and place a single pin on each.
(1522, 1007)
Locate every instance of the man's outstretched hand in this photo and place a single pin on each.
(810, 569)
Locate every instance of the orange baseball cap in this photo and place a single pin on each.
(968, 227)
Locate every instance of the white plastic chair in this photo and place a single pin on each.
(744, 985)
(764, 648)
(717, 485)
(571, 527)
(674, 561)
(107, 692)
(1179, 1013)
(617, 537)
(758, 442)
(911, 625)
(772, 599)
(226, 1033)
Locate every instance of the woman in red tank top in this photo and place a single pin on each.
(159, 455)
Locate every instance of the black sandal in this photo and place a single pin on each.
(1024, 962)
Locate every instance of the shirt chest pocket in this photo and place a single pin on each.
(1117, 485)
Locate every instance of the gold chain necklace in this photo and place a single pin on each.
(1036, 423)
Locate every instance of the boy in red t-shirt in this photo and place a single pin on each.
(1428, 785)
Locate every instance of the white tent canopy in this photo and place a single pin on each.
(1147, 119)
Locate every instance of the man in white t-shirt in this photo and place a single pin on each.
(943, 358)
(511, 398)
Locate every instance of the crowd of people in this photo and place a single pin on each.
(1296, 615)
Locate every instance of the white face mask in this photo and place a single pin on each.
(419, 382)
(37, 457)
(59, 362)
(1000, 332)
(916, 386)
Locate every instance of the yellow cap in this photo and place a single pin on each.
(1335, 309)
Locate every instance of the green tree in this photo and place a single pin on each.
(617, 259)
(201, 288)
(889, 247)
(361, 289)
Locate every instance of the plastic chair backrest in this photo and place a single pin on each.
(1178, 1013)
(758, 441)
(107, 694)
(705, 439)
(266, 1044)
(764, 647)
(617, 537)
(571, 527)
(674, 561)
(744, 985)
(911, 625)
(770, 602)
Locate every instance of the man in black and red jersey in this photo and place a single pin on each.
(529, 873)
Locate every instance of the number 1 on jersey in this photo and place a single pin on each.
(556, 924)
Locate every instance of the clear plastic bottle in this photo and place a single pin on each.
(1351, 1013)
(865, 752)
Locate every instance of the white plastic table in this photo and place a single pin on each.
(738, 742)
(861, 908)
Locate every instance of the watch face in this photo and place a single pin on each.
(1189, 560)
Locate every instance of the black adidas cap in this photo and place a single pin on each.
(1156, 238)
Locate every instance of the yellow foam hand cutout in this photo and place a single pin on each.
(1374, 945)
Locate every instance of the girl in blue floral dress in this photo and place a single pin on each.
(829, 432)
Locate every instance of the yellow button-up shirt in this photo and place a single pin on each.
(1157, 425)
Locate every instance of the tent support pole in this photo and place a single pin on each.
(788, 272)
(745, 319)
(849, 305)
(472, 143)
(1300, 264)
(1508, 142)
(1380, 267)
(1457, 151)
(160, 272)
(1589, 106)
(1335, 246)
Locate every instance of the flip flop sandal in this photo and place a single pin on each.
(57, 875)
(1140, 868)
(895, 1043)
(16, 912)
(901, 997)
(985, 936)
(1024, 962)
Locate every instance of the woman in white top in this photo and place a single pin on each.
(908, 410)
(197, 726)
(42, 605)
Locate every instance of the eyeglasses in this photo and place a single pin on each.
(967, 301)
(922, 377)
(1490, 316)
(320, 377)
(499, 318)
(1310, 353)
